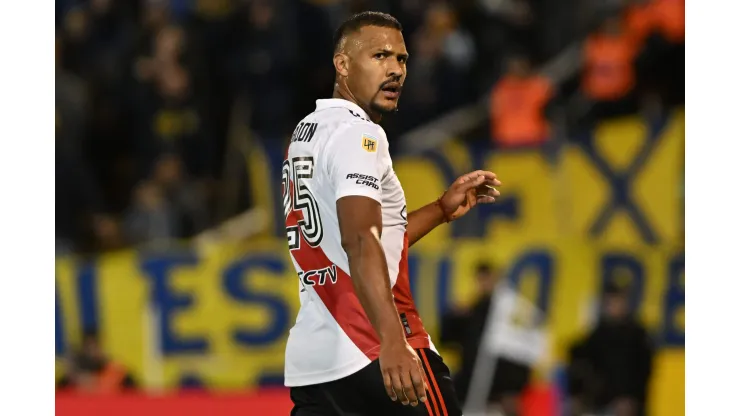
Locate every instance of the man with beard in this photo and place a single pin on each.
(358, 345)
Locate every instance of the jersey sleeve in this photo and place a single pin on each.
(355, 162)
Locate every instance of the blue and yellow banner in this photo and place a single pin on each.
(235, 305)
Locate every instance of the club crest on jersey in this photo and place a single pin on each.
(369, 143)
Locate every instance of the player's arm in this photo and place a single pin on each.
(355, 173)
(360, 223)
(424, 220)
(467, 191)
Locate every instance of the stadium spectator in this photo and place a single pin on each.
(664, 17)
(167, 206)
(173, 119)
(187, 197)
(639, 20)
(263, 68)
(671, 26)
(457, 45)
(443, 56)
(89, 370)
(657, 29)
(499, 27)
(420, 91)
(81, 221)
(610, 369)
(464, 327)
(670, 17)
(517, 106)
(609, 74)
(150, 219)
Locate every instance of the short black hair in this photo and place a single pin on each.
(360, 20)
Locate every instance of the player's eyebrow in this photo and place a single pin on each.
(387, 52)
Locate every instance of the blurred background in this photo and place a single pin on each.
(175, 291)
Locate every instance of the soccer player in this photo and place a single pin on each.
(358, 346)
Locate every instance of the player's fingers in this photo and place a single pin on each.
(472, 183)
(398, 386)
(487, 190)
(485, 199)
(409, 388)
(389, 386)
(468, 177)
(475, 175)
(417, 379)
(493, 182)
(489, 176)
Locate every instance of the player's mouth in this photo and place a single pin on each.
(391, 90)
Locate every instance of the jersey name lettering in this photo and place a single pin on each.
(304, 132)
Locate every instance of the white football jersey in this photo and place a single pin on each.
(337, 151)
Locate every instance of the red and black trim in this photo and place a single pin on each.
(434, 394)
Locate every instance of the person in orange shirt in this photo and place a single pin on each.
(670, 19)
(667, 18)
(609, 75)
(90, 371)
(639, 20)
(658, 26)
(518, 104)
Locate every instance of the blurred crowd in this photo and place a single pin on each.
(631, 61)
(608, 368)
(148, 91)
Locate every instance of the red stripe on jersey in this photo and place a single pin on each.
(342, 302)
(418, 338)
(339, 298)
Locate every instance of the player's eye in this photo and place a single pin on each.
(379, 55)
(403, 59)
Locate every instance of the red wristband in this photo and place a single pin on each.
(445, 217)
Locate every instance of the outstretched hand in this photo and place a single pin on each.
(467, 191)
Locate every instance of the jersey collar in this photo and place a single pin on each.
(340, 102)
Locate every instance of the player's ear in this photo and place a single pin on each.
(341, 64)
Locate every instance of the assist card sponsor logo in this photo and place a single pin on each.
(366, 180)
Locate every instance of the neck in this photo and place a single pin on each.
(342, 92)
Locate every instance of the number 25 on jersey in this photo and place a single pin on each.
(298, 201)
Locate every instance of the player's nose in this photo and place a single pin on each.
(394, 70)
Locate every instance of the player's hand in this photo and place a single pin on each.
(402, 373)
(467, 191)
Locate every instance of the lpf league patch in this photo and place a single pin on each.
(369, 143)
